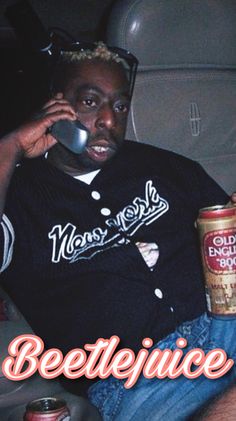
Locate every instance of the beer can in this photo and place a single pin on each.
(217, 230)
(47, 409)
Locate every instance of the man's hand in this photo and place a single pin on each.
(33, 138)
(232, 201)
(233, 198)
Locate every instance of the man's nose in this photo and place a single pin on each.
(106, 117)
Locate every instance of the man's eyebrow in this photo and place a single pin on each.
(88, 87)
(95, 88)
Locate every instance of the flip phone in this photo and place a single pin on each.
(72, 134)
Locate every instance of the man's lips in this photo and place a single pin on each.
(100, 149)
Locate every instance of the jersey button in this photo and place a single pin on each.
(95, 195)
(158, 293)
(105, 211)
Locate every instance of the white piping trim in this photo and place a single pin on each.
(9, 238)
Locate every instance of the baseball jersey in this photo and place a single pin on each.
(69, 258)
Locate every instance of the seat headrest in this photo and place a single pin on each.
(176, 33)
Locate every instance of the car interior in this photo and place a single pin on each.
(183, 101)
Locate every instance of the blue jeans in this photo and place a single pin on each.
(168, 399)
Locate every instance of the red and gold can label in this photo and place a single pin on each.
(220, 251)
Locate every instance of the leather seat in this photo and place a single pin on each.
(15, 395)
(185, 94)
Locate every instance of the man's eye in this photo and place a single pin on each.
(89, 102)
(121, 107)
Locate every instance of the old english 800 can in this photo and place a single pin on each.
(217, 229)
(47, 409)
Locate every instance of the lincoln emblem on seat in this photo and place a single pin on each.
(195, 119)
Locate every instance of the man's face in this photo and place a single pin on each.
(99, 93)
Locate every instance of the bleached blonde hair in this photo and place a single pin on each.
(101, 52)
(68, 58)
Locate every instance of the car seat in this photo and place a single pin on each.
(185, 94)
(14, 395)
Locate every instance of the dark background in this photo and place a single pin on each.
(24, 72)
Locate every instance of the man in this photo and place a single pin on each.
(103, 243)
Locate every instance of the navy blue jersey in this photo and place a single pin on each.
(76, 273)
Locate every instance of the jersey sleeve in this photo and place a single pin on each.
(210, 192)
(7, 238)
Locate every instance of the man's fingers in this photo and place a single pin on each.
(57, 99)
(232, 201)
(53, 101)
(233, 197)
(51, 118)
(39, 148)
(59, 107)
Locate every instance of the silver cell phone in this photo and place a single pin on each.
(72, 134)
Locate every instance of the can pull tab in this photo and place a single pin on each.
(71, 134)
